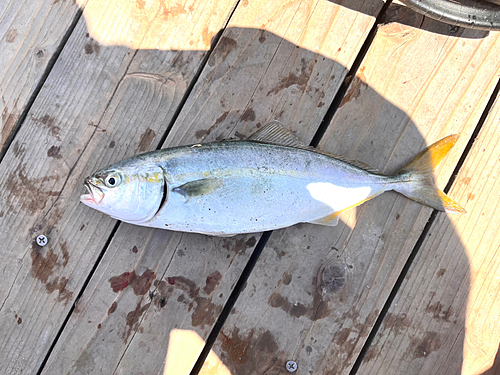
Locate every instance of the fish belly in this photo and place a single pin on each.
(254, 204)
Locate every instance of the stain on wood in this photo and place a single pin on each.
(250, 352)
(184, 284)
(33, 190)
(212, 282)
(397, 323)
(9, 119)
(139, 283)
(133, 320)
(354, 90)
(112, 308)
(240, 245)
(248, 115)
(11, 35)
(92, 47)
(54, 152)
(224, 47)
(49, 122)
(44, 264)
(439, 312)
(204, 311)
(317, 309)
(146, 140)
(172, 11)
(424, 347)
(299, 79)
(59, 284)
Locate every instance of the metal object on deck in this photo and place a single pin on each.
(471, 14)
(41, 240)
(291, 366)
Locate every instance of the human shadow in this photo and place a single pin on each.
(151, 282)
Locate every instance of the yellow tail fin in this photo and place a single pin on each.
(418, 181)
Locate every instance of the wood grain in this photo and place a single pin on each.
(98, 105)
(30, 33)
(252, 76)
(445, 317)
(317, 291)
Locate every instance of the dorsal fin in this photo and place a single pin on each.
(275, 133)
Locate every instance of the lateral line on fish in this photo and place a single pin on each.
(220, 173)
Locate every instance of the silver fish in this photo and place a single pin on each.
(269, 181)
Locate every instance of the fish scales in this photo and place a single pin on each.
(261, 187)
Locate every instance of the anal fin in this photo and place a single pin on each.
(329, 220)
(332, 219)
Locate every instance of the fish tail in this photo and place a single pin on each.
(417, 181)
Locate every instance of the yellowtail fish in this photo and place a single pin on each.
(269, 181)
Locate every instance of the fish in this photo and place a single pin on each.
(270, 180)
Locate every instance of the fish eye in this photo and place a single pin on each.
(112, 180)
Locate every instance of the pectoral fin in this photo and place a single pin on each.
(198, 188)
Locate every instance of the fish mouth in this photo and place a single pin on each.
(95, 195)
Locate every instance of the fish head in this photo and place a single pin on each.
(131, 192)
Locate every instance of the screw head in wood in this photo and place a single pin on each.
(291, 366)
(41, 240)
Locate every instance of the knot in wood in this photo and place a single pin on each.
(333, 277)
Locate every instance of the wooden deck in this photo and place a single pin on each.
(395, 288)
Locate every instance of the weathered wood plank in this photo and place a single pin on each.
(254, 75)
(100, 103)
(316, 291)
(445, 317)
(30, 34)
